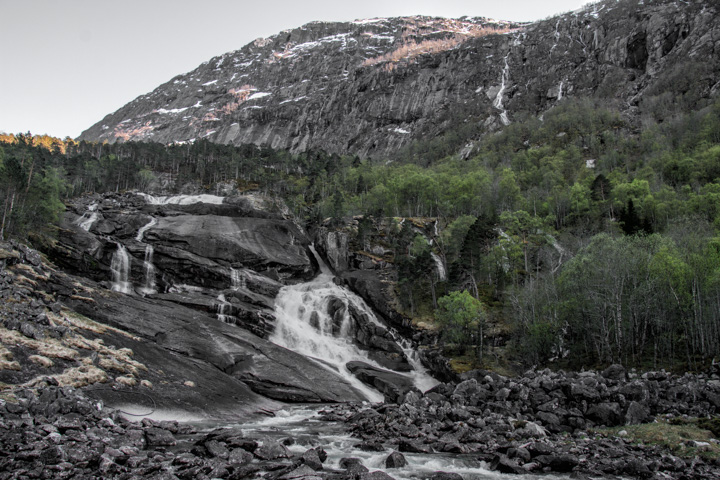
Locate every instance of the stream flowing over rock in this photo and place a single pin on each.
(217, 282)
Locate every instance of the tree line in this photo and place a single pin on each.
(593, 238)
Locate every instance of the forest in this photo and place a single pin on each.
(591, 238)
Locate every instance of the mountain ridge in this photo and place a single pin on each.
(373, 87)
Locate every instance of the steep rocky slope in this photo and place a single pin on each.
(371, 87)
(193, 285)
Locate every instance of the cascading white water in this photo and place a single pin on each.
(120, 268)
(556, 35)
(182, 199)
(149, 268)
(305, 326)
(145, 228)
(223, 310)
(237, 280)
(306, 427)
(223, 307)
(498, 103)
(88, 218)
(439, 266)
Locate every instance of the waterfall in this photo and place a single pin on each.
(223, 310)
(120, 268)
(498, 103)
(439, 266)
(421, 376)
(305, 326)
(149, 268)
(237, 280)
(145, 228)
(182, 199)
(556, 35)
(88, 218)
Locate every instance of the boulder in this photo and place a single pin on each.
(353, 465)
(558, 463)
(158, 437)
(239, 456)
(607, 414)
(615, 372)
(303, 472)
(312, 459)
(503, 464)
(413, 446)
(272, 451)
(636, 413)
(393, 385)
(395, 460)
(446, 476)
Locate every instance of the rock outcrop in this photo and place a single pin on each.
(70, 330)
(171, 287)
(372, 87)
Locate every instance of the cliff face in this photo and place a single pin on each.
(371, 87)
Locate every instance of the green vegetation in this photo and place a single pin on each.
(462, 318)
(587, 239)
(687, 438)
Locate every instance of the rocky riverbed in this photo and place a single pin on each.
(482, 427)
(547, 421)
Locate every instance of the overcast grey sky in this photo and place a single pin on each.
(66, 64)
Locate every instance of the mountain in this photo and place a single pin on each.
(372, 87)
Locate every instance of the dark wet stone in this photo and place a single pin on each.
(446, 476)
(53, 455)
(312, 459)
(615, 372)
(272, 451)
(352, 464)
(302, 472)
(157, 437)
(503, 464)
(238, 456)
(636, 413)
(607, 414)
(376, 475)
(411, 446)
(370, 447)
(395, 460)
(216, 449)
(247, 445)
(558, 463)
(637, 469)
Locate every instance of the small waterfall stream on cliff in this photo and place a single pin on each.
(305, 326)
(120, 268)
(88, 218)
(439, 266)
(148, 266)
(498, 103)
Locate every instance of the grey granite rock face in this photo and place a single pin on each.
(372, 87)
